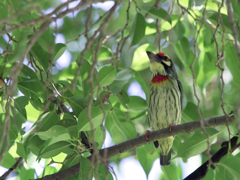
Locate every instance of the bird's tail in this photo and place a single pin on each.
(165, 159)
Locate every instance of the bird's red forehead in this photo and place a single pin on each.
(160, 54)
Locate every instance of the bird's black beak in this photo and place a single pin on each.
(152, 57)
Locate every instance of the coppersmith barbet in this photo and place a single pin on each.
(165, 101)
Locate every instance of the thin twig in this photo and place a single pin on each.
(83, 33)
(194, 80)
(185, 9)
(87, 46)
(219, 57)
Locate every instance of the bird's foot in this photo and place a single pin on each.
(170, 128)
(147, 134)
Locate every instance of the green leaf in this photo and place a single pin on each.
(35, 144)
(70, 123)
(209, 68)
(72, 26)
(143, 83)
(179, 171)
(45, 122)
(105, 53)
(140, 58)
(231, 164)
(210, 174)
(123, 98)
(69, 72)
(182, 49)
(8, 161)
(119, 129)
(19, 49)
(77, 103)
(21, 151)
(3, 10)
(84, 123)
(189, 113)
(48, 120)
(58, 51)
(64, 84)
(189, 62)
(220, 173)
(29, 72)
(124, 75)
(46, 40)
(170, 171)
(56, 133)
(102, 170)
(12, 133)
(34, 87)
(99, 137)
(85, 167)
(197, 143)
(55, 149)
(36, 102)
(137, 104)
(190, 4)
(19, 119)
(121, 80)
(137, 30)
(85, 69)
(71, 161)
(147, 154)
(214, 18)
(236, 7)
(41, 55)
(160, 13)
(179, 30)
(50, 170)
(26, 173)
(232, 61)
(106, 75)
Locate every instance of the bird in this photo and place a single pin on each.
(165, 101)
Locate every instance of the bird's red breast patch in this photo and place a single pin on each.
(159, 78)
(161, 54)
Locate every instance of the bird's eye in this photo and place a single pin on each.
(165, 58)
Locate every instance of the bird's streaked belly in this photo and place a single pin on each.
(164, 105)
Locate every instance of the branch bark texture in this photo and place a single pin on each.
(141, 140)
(201, 172)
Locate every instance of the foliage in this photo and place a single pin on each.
(107, 56)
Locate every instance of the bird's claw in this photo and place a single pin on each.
(147, 134)
(170, 128)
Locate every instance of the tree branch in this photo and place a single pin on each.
(5, 175)
(200, 172)
(139, 141)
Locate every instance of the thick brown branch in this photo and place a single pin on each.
(200, 172)
(139, 141)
